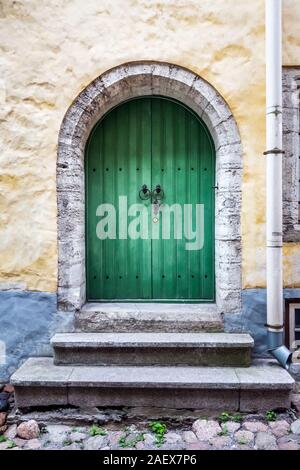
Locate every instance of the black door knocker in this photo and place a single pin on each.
(157, 194)
(156, 197)
(145, 193)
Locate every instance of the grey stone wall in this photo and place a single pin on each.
(291, 146)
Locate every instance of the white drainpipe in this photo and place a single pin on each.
(273, 155)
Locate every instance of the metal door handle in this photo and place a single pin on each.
(158, 193)
(144, 193)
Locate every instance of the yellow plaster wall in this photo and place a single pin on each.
(50, 50)
(291, 32)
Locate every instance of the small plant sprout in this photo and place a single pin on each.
(224, 431)
(224, 417)
(44, 430)
(11, 444)
(237, 417)
(271, 416)
(122, 441)
(159, 429)
(67, 442)
(97, 431)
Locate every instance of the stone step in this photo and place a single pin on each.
(148, 317)
(164, 349)
(265, 385)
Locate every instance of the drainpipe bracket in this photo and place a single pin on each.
(274, 151)
(276, 110)
(275, 327)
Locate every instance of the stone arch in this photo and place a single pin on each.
(107, 91)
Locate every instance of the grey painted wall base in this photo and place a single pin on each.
(29, 319)
(253, 317)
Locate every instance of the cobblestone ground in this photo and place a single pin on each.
(147, 429)
(228, 431)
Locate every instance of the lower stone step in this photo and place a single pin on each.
(38, 382)
(165, 349)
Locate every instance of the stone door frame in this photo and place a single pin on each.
(113, 87)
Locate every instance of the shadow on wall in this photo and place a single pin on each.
(27, 321)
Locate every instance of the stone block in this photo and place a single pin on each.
(228, 227)
(197, 349)
(227, 204)
(26, 396)
(70, 274)
(260, 400)
(153, 377)
(71, 252)
(228, 276)
(202, 88)
(280, 427)
(290, 119)
(70, 298)
(265, 441)
(229, 156)
(188, 398)
(148, 317)
(229, 179)
(228, 252)
(227, 132)
(206, 429)
(231, 301)
(265, 375)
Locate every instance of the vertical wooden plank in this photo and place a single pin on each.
(124, 265)
(183, 149)
(93, 194)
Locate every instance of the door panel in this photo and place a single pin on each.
(150, 141)
(182, 162)
(118, 157)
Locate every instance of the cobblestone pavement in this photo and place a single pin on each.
(145, 428)
(227, 431)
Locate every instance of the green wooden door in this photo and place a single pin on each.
(137, 249)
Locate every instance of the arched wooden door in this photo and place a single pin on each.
(155, 243)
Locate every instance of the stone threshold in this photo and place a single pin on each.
(148, 317)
